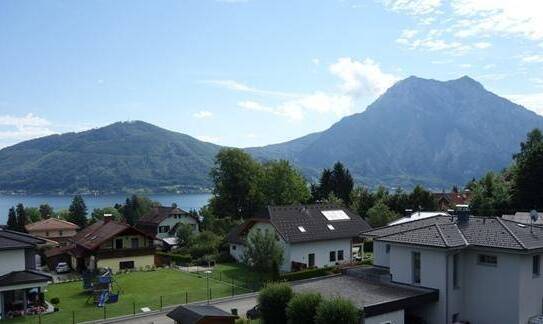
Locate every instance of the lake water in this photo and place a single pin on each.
(184, 201)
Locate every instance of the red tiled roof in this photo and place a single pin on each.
(51, 224)
(91, 237)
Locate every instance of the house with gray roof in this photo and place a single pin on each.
(486, 269)
(311, 235)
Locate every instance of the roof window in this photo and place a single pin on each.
(301, 229)
(333, 215)
(330, 227)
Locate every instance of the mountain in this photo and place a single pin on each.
(123, 156)
(418, 132)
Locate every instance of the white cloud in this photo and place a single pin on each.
(209, 138)
(203, 114)
(413, 7)
(465, 65)
(241, 87)
(361, 78)
(536, 58)
(482, 45)
(316, 61)
(20, 128)
(532, 101)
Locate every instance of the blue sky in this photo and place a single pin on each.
(253, 72)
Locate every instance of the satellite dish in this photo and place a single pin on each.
(534, 215)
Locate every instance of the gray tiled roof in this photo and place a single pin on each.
(23, 277)
(446, 232)
(15, 240)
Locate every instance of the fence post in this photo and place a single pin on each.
(186, 297)
(233, 292)
(39, 318)
(160, 302)
(105, 316)
(134, 308)
(73, 317)
(208, 295)
(220, 276)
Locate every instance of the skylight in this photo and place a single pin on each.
(301, 229)
(330, 227)
(333, 215)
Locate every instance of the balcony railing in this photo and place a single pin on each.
(119, 253)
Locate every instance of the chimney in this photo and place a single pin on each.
(407, 213)
(462, 214)
(108, 218)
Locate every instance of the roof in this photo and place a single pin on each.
(188, 314)
(23, 277)
(289, 221)
(447, 232)
(417, 216)
(524, 217)
(454, 198)
(159, 213)
(15, 240)
(51, 224)
(234, 236)
(92, 236)
(374, 297)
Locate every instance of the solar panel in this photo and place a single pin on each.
(333, 215)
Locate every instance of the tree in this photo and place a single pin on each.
(235, 176)
(63, 214)
(528, 176)
(400, 201)
(78, 211)
(12, 220)
(263, 251)
(490, 196)
(273, 301)
(22, 219)
(337, 181)
(325, 186)
(32, 214)
(46, 211)
(337, 310)
(301, 309)
(363, 200)
(135, 207)
(421, 198)
(281, 184)
(185, 235)
(380, 215)
(98, 214)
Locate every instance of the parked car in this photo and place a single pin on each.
(253, 313)
(62, 267)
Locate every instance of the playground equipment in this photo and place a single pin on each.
(100, 285)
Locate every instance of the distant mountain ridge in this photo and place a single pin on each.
(420, 131)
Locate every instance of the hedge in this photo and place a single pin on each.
(305, 274)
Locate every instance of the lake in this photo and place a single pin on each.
(184, 201)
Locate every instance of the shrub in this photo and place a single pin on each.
(55, 301)
(337, 310)
(302, 308)
(273, 300)
(181, 258)
(305, 274)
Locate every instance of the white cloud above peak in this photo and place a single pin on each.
(203, 114)
(21, 128)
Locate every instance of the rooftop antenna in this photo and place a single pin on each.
(534, 216)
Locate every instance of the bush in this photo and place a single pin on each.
(273, 301)
(337, 310)
(181, 259)
(302, 308)
(305, 274)
(55, 301)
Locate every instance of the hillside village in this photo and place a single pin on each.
(367, 256)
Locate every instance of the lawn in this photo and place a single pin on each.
(138, 289)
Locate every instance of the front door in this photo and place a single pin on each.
(311, 260)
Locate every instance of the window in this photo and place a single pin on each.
(330, 227)
(164, 229)
(134, 243)
(488, 260)
(415, 260)
(332, 256)
(126, 265)
(456, 260)
(536, 265)
(234, 247)
(455, 317)
(301, 229)
(333, 215)
(60, 233)
(119, 243)
(311, 260)
(387, 248)
(46, 233)
(340, 255)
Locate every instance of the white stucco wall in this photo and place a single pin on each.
(172, 221)
(299, 252)
(530, 289)
(380, 257)
(396, 317)
(12, 260)
(237, 251)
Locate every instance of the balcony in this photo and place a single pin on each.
(121, 253)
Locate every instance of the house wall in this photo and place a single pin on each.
(237, 251)
(127, 242)
(380, 257)
(139, 261)
(299, 252)
(12, 260)
(54, 233)
(530, 289)
(396, 317)
(172, 221)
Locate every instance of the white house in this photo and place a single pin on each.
(162, 222)
(310, 235)
(21, 286)
(487, 269)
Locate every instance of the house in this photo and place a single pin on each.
(201, 314)
(487, 269)
(21, 286)
(54, 229)
(162, 222)
(111, 244)
(450, 200)
(311, 235)
(524, 218)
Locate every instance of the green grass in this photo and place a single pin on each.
(139, 289)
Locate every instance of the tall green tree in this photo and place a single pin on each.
(380, 214)
(46, 211)
(528, 176)
(22, 219)
(236, 177)
(78, 211)
(281, 184)
(491, 196)
(12, 220)
(363, 200)
(421, 198)
(337, 181)
(32, 214)
(98, 214)
(263, 252)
